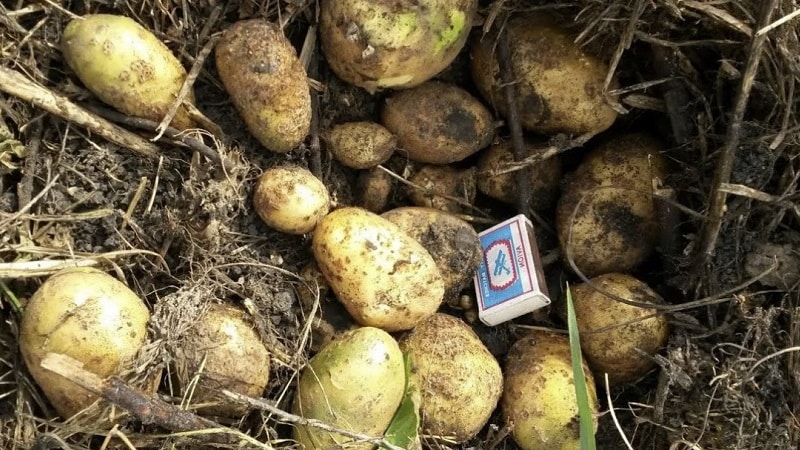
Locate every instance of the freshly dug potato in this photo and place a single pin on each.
(539, 393)
(460, 382)
(383, 276)
(87, 315)
(126, 66)
(224, 344)
(360, 145)
(355, 383)
(559, 86)
(291, 199)
(267, 83)
(452, 242)
(544, 176)
(374, 190)
(614, 351)
(377, 45)
(438, 123)
(440, 182)
(607, 220)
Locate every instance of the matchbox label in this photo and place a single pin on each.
(502, 270)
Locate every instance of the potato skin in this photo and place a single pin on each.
(360, 145)
(440, 181)
(126, 66)
(384, 277)
(438, 123)
(460, 382)
(87, 315)
(614, 351)
(267, 83)
(559, 87)
(291, 199)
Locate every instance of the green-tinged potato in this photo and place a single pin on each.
(267, 83)
(438, 123)
(89, 316)
(544, 176)
(432, 185)
(615, 350)
(452, 242)
(559, 86)
(539, 393)
(360, 145)
(607, 220)
(460, 382)
(126, 66)
(224, 350)
(291, 199)
(374, 190)
(377, 45)
(383, 276)
(329, 319)
(355, 383)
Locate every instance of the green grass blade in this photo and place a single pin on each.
(581, 391)
(404, 429)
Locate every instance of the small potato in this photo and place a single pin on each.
(360, 145)
(267, 83)
(126, 66)
(460, 382)
(291, 199)
(544, 176)
(539, 393)
(614, 351)
(606, 218)
(383, 276)
(440, 182)
(89, 316)
(559, 86)
(374, 190)
(224, 349)
(438, 123)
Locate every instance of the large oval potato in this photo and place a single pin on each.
(126, 66)
(355, 383)
(89, 316)
(267, 83)
(291, 199)
(396, 44)
(460, 382)
(383, 276)
(559, 86)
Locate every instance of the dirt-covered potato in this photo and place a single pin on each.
(267, 83)
(291, 199)
(452, 242)
(559, 86)
(614, 351)
(539, 393)
(438, 123)
(396, 44)
(126, 66)
(224, 350)
(544, 176)
(360, 145)
(374, 189)
(607, 220)
(355, 383)
(432, 185)
(383, 276)
(460, 382)
(89, 316)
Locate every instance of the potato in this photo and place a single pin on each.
(374, 190)
(559, 86)
(544, 176)
(89, 316)
(460, 382)
(616, 225)
(438, 123)
(360, 145)
(452, 243)
(614, 351)
(539, 393)
(440, 182)
(267, 83)
(226, 352)
(291, 199)
(355, 383)
(377, 45)
(384, 277)
(126, 66)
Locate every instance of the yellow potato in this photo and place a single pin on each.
(434, 184)
(291, 199)
(360, 145)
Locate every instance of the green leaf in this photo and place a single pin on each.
(581, 392)
(404, 429)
